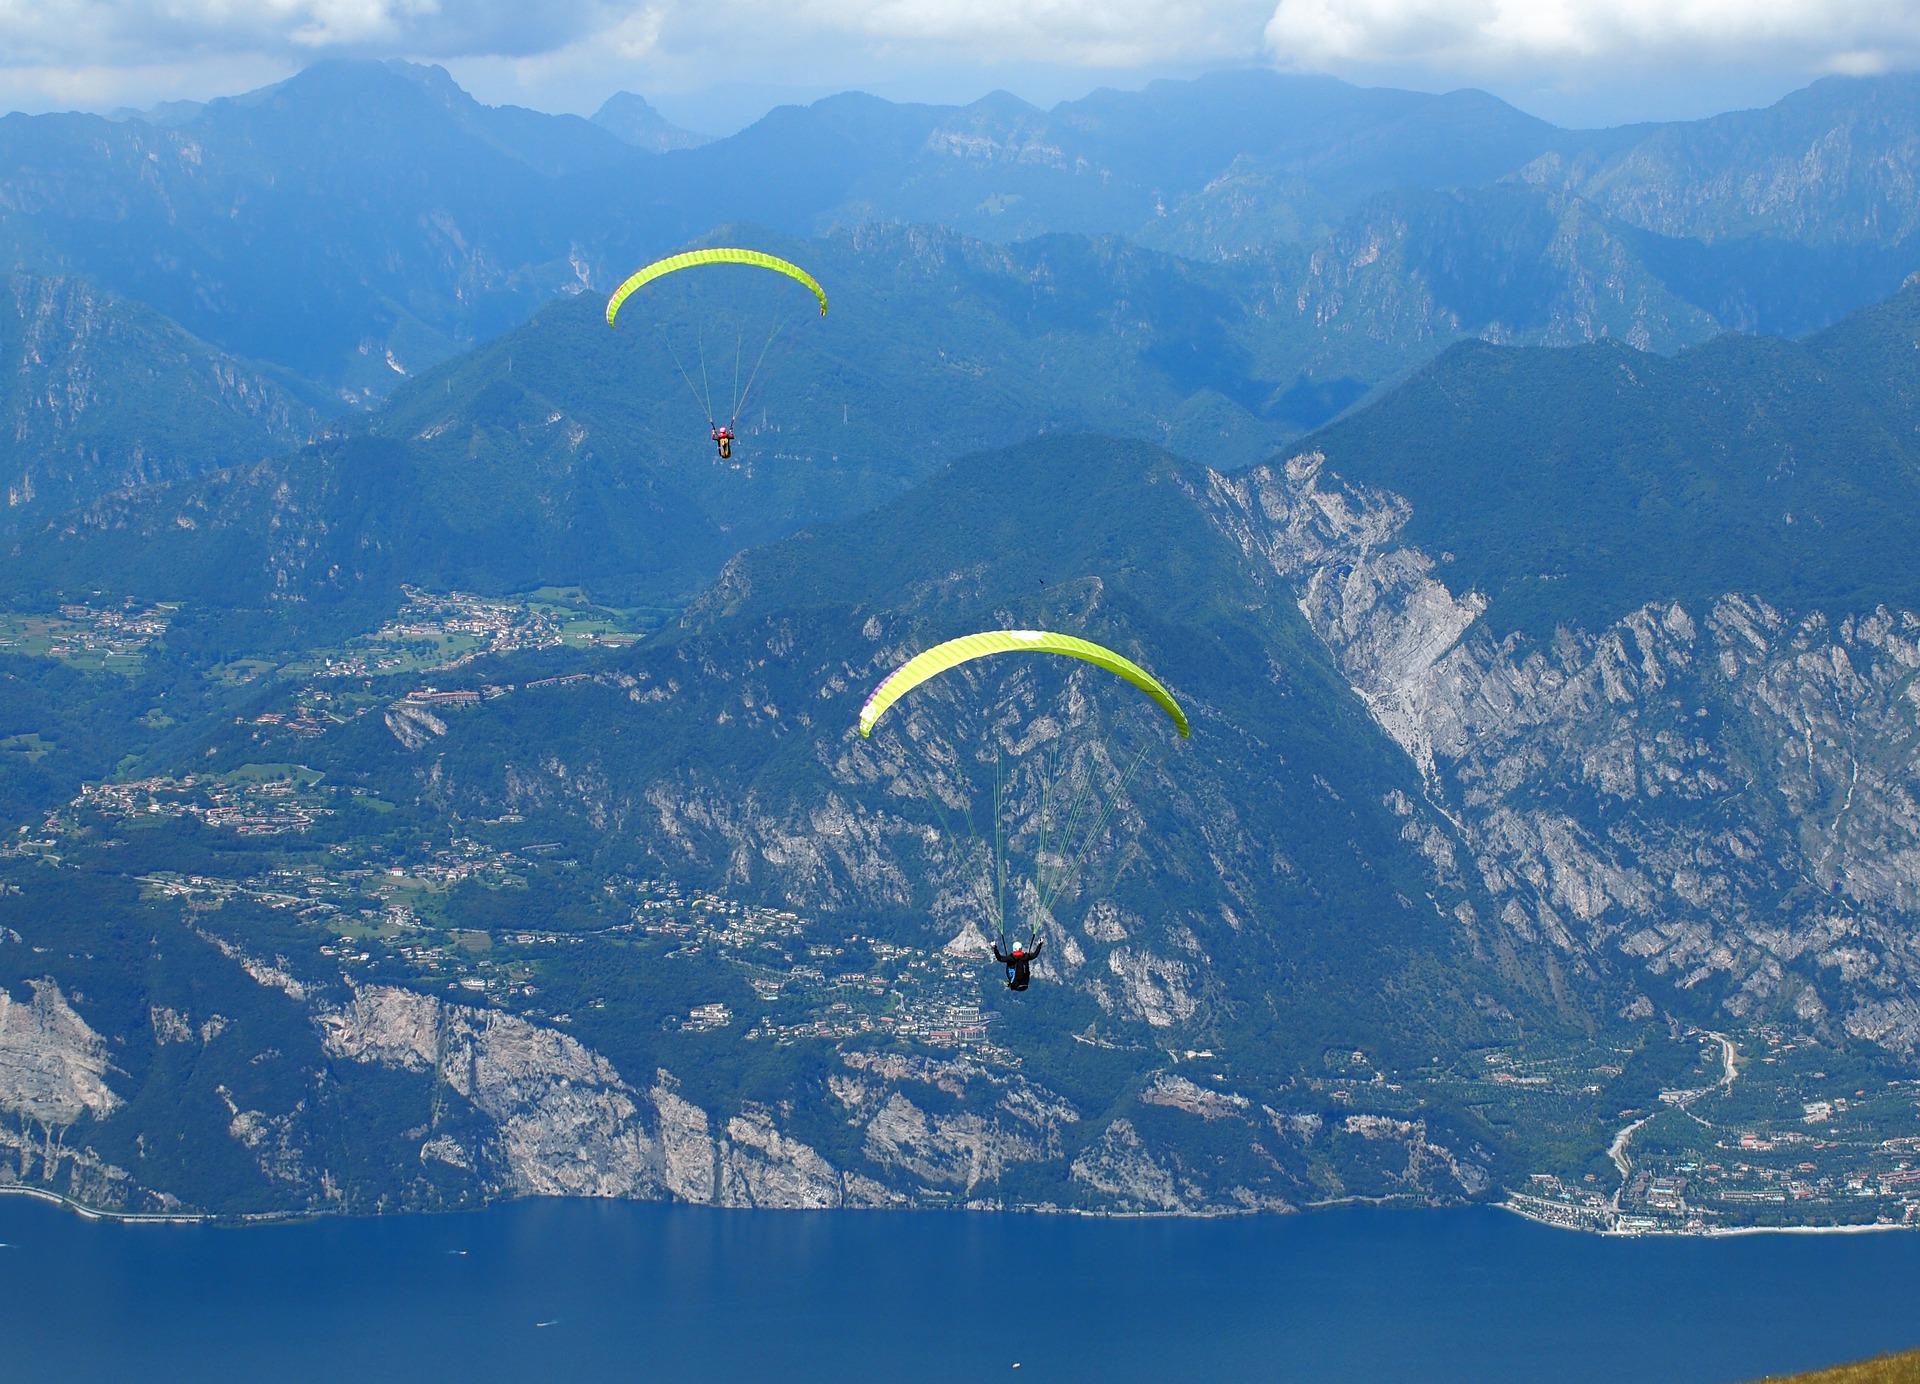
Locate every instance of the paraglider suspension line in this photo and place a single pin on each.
(999, 853)
(1098, 830)
(1049, 886)
(739, 340)
(699, 403)
(700, 340)
(1046, 802)
(1041, 887)
(740, 398)
(946, 821)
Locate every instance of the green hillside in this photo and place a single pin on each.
(1572, 486)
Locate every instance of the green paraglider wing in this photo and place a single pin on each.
(689, 258)
(965, 649)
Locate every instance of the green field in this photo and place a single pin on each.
(30, 747)
(80, 644)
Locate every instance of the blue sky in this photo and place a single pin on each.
(718, 64)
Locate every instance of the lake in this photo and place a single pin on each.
(550, 1290)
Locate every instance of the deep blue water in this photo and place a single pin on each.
(654, 1292)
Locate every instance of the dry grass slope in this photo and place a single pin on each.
(1901, 1368)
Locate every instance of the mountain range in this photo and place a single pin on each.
(428, 221)
(451, 790)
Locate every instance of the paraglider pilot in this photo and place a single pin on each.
(1018, 962)
(723, 439)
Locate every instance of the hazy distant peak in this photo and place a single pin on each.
(862, 101)
(429, 76)
(631, 119)
(1850, 90)
(1473, 98)
(335, 79)
(167, 114)
(1004, 105)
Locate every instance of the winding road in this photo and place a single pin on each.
(1617, 1150)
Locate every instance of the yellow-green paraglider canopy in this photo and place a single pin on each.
(687, 259)
(1057, 870)
(942, 657)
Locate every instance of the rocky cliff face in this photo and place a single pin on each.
(1567, 275)
(556, 1119)
(1783, 171)
(52, 1066)
(53, 1074)
(1719, 801)
(509, 1107)
(101, 394)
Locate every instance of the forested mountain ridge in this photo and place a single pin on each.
(356, 222)
(1833, 162)
(568, 452)
(1570, 487)
(939, 345)
(1720, 661)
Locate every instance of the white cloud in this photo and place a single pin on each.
(76, 33)
(96, 86)
(1098, 33)
(626, 39)
(1121, 33)
(573, 52)
(1508, 36)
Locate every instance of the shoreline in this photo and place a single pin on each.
(1718, 1232)
(1725, 1231)
(95, 1213)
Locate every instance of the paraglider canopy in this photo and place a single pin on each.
(719, 255)
(1060, 844)
(942, 657)
(722, 323)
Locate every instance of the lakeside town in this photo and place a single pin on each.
(1713, 1159)
(852, 987)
